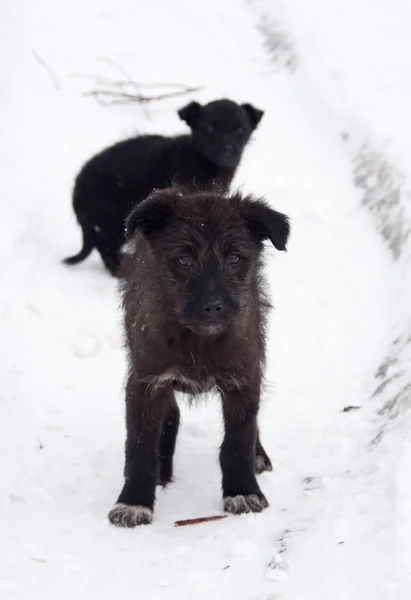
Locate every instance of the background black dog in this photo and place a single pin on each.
(112, 182)
(195, 321)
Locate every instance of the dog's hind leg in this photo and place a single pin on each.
(109, 246)
(262, 461)
(111, 262)
(168, 443)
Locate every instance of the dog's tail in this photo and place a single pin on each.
(88, 245)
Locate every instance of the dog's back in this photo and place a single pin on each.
(112, 182)
(125, 173)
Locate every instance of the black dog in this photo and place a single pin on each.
(195, 321)
(111, 183)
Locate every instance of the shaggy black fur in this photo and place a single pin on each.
(112, 182)
(195, 321)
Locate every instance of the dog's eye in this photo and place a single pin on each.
(183, 261)
(210, 128)
(234, 259)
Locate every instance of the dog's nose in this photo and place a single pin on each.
(228, 148)
(213, 307)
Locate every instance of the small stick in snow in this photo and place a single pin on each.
(199, 520)
(39, 560)
(348, 408)
(48, 69)
(121, 84)
(119, 68)
(109, 97)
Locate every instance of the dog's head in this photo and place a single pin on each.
(206, 248)
(221, 129)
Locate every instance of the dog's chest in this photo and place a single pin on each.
(185, 381)
(191, 366)
(194, 381)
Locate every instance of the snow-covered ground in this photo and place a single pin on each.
(333, 152)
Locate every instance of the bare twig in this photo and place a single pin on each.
(128, 91)
(122, 85)
(48, 69)
(170, 85)
(112, 63)
(40, 560)
(199, 520)
(111, 97)
(130, 82)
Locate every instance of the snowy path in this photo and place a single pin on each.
(62, 363)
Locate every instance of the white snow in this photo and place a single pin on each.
(333, 79)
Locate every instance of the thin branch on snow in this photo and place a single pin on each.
(48, 69)
(119, 68)
(349, 408)
(132, 92)
(199, 520)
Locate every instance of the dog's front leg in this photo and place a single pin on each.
(145, 415)
(241, 492)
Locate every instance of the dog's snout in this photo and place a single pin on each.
(228, 148)
(213, 307)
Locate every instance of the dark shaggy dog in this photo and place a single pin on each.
(111, 183)
(195, 321)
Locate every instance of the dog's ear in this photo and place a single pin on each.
(264, 222)
(190, 113)
(254, 114)
(149, 216)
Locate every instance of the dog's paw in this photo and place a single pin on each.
(238, 505)
(124, 515)
(262, 463)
